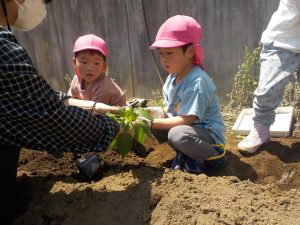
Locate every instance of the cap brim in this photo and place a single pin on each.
(90, 48)
(167, 44)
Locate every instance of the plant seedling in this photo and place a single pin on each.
(134, 125)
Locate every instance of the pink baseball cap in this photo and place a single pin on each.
(91, 42)
(180, 30)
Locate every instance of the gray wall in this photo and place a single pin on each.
(130, 26)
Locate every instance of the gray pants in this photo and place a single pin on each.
(277, 65)
(192, 141)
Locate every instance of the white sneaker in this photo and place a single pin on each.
(258, 135)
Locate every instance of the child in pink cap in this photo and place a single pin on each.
(194, 127)
(90, 81)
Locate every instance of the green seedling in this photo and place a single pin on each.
(134, 125)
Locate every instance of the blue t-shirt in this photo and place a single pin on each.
(196, 95)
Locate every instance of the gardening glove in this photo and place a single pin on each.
(156, 112)
(137, 102)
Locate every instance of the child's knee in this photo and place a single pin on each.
(177, 136)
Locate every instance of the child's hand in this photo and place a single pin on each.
(156, 112)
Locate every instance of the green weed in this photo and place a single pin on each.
(157, 98)
(68, 79)
(245, 80)
(291, 96)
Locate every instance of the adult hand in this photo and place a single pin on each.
(127, 107)
(101, 108)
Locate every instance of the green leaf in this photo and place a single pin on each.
(132, 128)
(130, 115)
(124, 143)
(145, 128)
(139, 134)
(112, 116)
(121, 112)
(125, 125)
(143, 113)
(113, 144)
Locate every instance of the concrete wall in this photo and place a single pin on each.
(130, 26)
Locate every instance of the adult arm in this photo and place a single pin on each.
(99, 108)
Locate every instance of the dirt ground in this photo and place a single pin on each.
(261, 189)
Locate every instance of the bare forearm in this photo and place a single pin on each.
(168, 123)
(99, 108)
(84, 104)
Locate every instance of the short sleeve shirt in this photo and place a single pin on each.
(196, 95)
(102, 90)
(33, 115)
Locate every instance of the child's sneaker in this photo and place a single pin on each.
(178, 161)
(192, 166)
(258, 135)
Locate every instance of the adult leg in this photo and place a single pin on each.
(277, 66)
(9, 158)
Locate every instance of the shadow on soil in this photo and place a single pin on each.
(88, 203)
(285, 153)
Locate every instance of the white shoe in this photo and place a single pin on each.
(258, 135)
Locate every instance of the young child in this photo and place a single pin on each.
(90, 81)
(194, 123)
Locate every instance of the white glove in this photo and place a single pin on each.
(156, 112)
